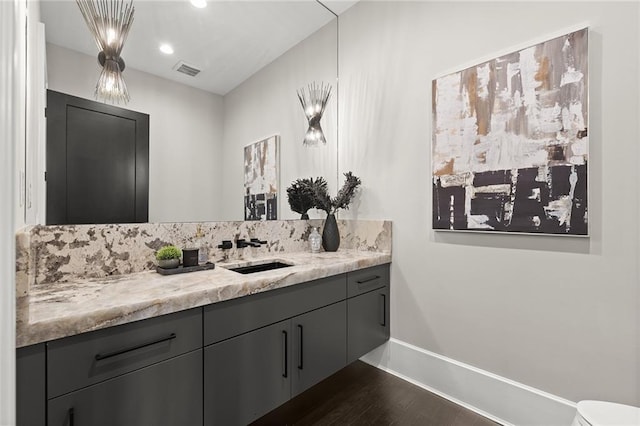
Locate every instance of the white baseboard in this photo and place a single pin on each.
(500, 399)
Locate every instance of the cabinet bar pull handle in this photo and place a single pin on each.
(368, 279)
(300, 358)
(71, 416)
(284, 348)
(100, 357)
(384, 309)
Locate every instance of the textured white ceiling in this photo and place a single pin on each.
(228, 40)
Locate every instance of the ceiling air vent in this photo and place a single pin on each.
(187, 69)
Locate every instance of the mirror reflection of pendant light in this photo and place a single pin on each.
(313, 102)
(109, 22)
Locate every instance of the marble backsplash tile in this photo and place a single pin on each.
(50, 254)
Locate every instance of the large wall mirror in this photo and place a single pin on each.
(253, 56)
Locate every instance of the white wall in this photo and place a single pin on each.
(638, 243)
(12, 104)
(36, 124)
(20, 57)
(267, 104)
(185, 135)
(558, 314)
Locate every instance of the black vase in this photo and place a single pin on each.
(330, 234)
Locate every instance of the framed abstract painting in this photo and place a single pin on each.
(261, 179)
(510, 143)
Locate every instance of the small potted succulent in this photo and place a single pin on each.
(168, 257)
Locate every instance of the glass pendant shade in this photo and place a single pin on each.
(314, 102)
(314, 135)
(109, 22)
(111, 86)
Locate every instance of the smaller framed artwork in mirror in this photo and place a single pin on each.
(262, 179)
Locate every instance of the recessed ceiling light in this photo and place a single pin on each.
(166, 49)
(199, 3)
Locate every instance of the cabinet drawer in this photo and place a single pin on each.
(168, 393)
(368, 279)
(81, 360)
(231, 318)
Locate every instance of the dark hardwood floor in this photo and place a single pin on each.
(364, 395)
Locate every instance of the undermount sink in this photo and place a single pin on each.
(266, 266)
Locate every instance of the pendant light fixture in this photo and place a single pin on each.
(313, 102)
(109, 22)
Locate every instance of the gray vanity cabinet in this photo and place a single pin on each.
(250, 374)
(228, 363)
(247, 376)
(166, 393)
(368, 310)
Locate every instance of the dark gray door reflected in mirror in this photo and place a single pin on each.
(97, 162)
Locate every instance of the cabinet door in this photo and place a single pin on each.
(167, 393)
(319, 345)
(367, 322)
(247, 376)
(31, 390)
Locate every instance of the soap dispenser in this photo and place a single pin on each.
(315, 241)
(203, 252)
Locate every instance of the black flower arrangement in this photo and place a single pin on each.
(307, 193)
(301, 195)
(340, 201)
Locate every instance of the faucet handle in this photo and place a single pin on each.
(257, 240)
(241, 243)
(226, 245)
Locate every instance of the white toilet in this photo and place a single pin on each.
(600, 413)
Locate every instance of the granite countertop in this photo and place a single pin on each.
(76, 307)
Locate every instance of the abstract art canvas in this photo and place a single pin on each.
(510, 144)
(261, 177)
